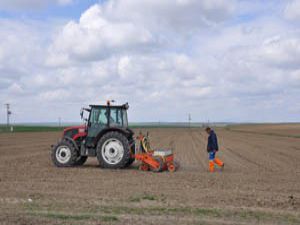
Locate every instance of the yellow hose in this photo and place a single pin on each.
(146, 144)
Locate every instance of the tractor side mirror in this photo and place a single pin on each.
(126, 106)
(82, 114)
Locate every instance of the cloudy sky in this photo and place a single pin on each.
(220, 60)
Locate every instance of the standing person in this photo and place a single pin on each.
(212, 148)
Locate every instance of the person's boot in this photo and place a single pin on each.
(211, 166)
(219, 163)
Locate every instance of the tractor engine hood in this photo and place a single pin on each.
(71, 131)
(81, 128)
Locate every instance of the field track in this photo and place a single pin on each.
(260, 183)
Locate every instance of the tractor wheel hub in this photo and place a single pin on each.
(63, 154)
(112, 151)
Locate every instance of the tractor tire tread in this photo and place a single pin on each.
(126, 157)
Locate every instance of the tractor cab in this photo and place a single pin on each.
(103, 118)
(107, 115)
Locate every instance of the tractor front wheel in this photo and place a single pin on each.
(113, 150)
(64, 154)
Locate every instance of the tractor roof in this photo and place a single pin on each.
(124, 106)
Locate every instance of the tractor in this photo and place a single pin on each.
(105, 135)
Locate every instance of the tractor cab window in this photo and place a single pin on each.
(99, 116)
(125, 119)
(117, 117)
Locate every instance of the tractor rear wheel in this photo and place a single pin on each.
(64, 154)
(113, 150)
(130, 161)
(132, 152)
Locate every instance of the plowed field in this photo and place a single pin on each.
(259, 185)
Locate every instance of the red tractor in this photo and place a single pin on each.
(106, 135)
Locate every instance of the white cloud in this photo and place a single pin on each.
(18, 50)
(9, 5)
(133, 25)
(96, 38)
(15, 89)
(292, 10)
(166, 58)
(283, 52)
(176, 14)
(54, 95)
(124, 67)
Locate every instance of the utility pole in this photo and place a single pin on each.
(8, 113)
(190, 119)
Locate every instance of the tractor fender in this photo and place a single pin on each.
(72, 141)
(109, 129)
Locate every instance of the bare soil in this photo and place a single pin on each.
(283, 130)
(260, 183)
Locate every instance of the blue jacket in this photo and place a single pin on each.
(212, 143)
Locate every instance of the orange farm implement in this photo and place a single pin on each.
(154, 160)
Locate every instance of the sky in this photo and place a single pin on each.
(218, 60)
